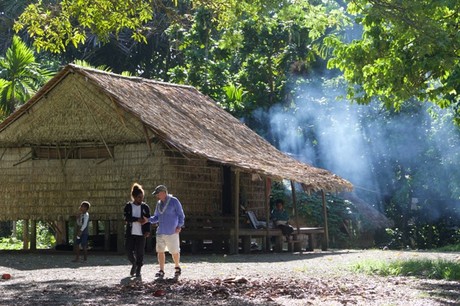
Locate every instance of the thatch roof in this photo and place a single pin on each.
(187, 120)
(374, 218)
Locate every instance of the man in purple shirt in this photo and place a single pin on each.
(170, 217)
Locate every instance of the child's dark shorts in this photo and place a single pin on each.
(82, 240)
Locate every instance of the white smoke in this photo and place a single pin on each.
(360, 143)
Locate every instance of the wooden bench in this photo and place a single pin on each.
(207, 232)
(302, 235)
(204, 233)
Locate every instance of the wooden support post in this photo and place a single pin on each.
(76, 228)
(294, 204)
(268, 190)
(25, 235)
(67, 233)
(236, 200)
(326, 229)
(106, 235)
(33, 235)
(14, 231)
(61, 232)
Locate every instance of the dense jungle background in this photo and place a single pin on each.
(368, 89)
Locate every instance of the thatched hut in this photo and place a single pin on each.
(89, 134)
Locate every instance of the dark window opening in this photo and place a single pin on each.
(54, 152)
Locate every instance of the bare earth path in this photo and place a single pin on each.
(313, 278)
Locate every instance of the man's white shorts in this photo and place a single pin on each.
(170, 243)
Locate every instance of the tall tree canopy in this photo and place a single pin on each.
(254, 63)
(9, 12)
(241, 53)
(56, 24)
(408, 49)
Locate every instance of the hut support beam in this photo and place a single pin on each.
(106, 235)
(25, 235)
(326, 228)
(33, 235)
(294, 204)
(96, 124)
(147, 138)
(236, 206)
(60, 228)
(268, 190)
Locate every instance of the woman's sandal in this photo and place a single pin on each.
(160, 274)
(178, 271)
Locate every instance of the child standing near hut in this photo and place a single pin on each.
(81, 240)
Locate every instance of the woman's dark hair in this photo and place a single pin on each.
(136, 190)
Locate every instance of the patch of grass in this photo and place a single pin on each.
(7, 243)
(422, 268)
(449, 248)
(11, 243)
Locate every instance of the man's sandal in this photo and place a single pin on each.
(178, 271)
(160, 274)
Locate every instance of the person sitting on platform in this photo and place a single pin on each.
(280, 218)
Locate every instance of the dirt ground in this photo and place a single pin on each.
(312, 278)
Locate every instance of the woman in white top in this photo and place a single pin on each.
(137, 229)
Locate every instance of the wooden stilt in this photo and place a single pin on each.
(25, 235)
(326, 229)
(236, 206)
(33, 234)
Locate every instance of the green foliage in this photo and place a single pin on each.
(10, 243)
(10, 11)
(56, 25)
(344, 221)
(101, 67)
(449, 248)
(433, 221)
(204, 64)
(234, 97)
(20, 76)
(408, 49)
(250, 45)
(45, 237)
(252, 63)
(422, 268)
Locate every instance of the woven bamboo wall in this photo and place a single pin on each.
(53, 189)
(252, 189)
(197, 184)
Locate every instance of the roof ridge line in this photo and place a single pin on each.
(75, 67)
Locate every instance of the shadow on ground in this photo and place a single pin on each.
(447, 293)
(46, 259)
